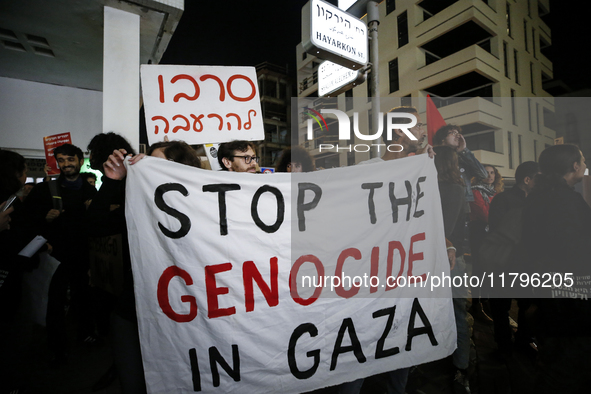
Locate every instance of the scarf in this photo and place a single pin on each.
(487, 191)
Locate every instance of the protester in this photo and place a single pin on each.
(13, 237)
(238, 156)
(452, 194)
(470, 167)
(56, 211)
(503, 210)
(107, 225)
(295, 159)
(24, 192)
(557, 235)
(483, 190)
(89, 177)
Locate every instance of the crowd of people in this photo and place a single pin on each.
(551, 223)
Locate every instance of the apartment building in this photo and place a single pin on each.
(275, 95)
(482, 62)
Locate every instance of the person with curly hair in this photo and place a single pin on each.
(484, 190)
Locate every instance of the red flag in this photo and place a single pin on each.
(434, 119)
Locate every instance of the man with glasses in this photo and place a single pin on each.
(238, 156)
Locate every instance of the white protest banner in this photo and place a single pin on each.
(201, 104)
(220, 261)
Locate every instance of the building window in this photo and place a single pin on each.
(516, 63)
(390, 6)
(402, 30)
(508, 18)
(519, 149)
(538, 117)
(531, 77)
(393, 73)
(525, 35)
(531, 128)
(535, 150)
(505, 59)
(533, 42)
(513, 107)
(510, 148)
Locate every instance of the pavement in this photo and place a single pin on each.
(489, 373)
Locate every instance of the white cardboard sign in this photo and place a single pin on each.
(201, 104)
(220, 261)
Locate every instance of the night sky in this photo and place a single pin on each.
(249, 32)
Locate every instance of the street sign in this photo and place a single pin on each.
(332, 34)
(334, 79)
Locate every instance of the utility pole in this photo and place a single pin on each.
(373, 20)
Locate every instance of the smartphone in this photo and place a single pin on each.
(9, 202)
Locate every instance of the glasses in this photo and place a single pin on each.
(454, 133)
(249, 159)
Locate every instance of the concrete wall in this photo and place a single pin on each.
(30, 111)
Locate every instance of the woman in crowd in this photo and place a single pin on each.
(484, 191)
(451, 191)
(557, 236)
(295, 159)
(108, 151)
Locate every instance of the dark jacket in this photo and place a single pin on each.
(102, 221)
(557, 235)
(504, 202)
(470, 167)
(67, 233)
(452, 204)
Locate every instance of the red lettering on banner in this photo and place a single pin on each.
(251, 273)
(394, 245)
(293, 286)
(341, 292)
(412, 257)
(186, 127)
(219, 118)
(213, 291)
(375, 265)
(164, 301)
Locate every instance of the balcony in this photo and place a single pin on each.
(473, 59)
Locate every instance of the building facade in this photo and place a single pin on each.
(482, 62)
(275, 94)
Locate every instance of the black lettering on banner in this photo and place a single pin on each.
(182, 218)
(302, 187)
(372, 207)
(420, 194)
(414, 331)
(400, 201)
(380, 352)
(221, 189)
(216, 358)
(280, 208)
(355, 347)
(315, 354)
(196, 376)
